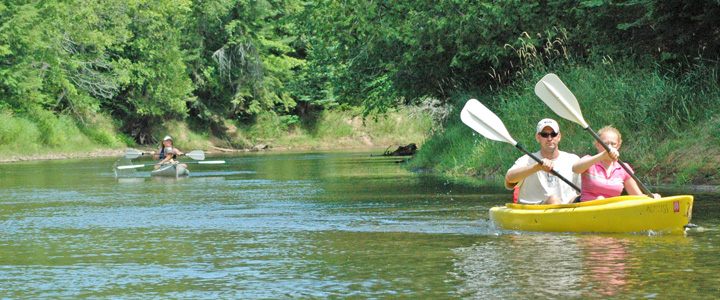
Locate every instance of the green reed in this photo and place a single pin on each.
(668, 118)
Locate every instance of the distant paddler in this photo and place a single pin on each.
(167, 153)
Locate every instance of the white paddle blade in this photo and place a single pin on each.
(132, 153)
(196, 154)
(211, 162)
(560, 99)
(485, 122)
(130, 167)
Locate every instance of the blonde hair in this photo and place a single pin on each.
(609, 128)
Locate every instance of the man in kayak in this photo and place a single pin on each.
(535, 182)
(167, 153)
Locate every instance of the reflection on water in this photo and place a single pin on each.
(521, 266)
(607, 264)
(313, 225)
(580, 266)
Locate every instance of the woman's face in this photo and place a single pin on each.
(610, 139)
(167, 143)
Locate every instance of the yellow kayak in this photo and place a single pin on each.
(612, 215)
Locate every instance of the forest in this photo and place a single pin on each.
(114, 73)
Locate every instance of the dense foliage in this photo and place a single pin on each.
(143, 62)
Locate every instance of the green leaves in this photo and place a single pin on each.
(146, 61)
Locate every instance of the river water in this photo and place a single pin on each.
(319, 225)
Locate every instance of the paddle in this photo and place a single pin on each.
(561, 100)
(485, 122)
(208, 162)
(196, 154)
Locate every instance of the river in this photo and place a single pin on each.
(319, 225)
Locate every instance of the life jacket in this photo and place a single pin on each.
(162, 154)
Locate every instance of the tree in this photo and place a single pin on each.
(243, 58)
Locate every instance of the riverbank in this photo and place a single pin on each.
(340, 129)
(65, 155)
(670, 125)
(98, 153)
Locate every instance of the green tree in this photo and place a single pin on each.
(244, 58)
(54, 58)
(388, 52)
(158, 86)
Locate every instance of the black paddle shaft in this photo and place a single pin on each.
(622, 164)
(519, 146)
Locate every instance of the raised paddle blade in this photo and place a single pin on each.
(560, 99)
(478, 117)
(196, 154)
(132, 153)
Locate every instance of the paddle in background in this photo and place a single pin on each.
(561, 100)
(195, 154)
(207, 162)
(478, 117)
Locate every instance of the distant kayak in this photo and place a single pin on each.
(613, 215)
(170, 170)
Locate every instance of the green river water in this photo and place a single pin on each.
(316, 225)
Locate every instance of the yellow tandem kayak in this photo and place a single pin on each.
(612, 215)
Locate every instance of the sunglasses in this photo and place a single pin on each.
(547, 134)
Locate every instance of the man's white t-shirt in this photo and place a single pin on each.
(540, 185)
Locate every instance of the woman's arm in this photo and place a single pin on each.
(584, 163)
(631, 187)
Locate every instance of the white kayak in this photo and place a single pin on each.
(170, 170)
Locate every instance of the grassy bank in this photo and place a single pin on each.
(46, 136)
(669, 120)
(336, 128)
(51, 136)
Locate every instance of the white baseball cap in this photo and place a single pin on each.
(547, 123)
(167, 137)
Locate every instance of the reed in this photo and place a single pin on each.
(663, 114)
(46, 133)
(342, 127)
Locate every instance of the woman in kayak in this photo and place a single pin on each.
(167, 153)
(602, 175)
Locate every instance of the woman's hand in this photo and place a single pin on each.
(613, 154)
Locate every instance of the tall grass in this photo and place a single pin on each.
(43, 132)
(341, 128)
(664, 114)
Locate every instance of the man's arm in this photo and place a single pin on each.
(514, 175)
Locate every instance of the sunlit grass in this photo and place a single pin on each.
(45, 133)
(665, 116)
(342, 128)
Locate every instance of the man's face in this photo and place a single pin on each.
(547, 141)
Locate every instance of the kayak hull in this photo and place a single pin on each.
(170, 170)
(613, 215)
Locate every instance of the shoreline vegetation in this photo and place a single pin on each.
(669, 119)
(85, 80)
(335, 129)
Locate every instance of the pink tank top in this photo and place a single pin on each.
(596, 182)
